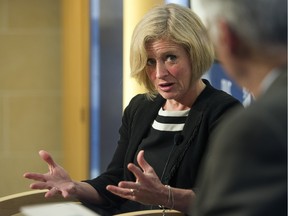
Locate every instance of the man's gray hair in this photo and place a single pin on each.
(258, 22)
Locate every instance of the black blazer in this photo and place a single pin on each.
(246, 168)
(182, 167)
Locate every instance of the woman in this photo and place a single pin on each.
(171, 123)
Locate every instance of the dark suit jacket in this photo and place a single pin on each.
(245, 173)
(182, 167)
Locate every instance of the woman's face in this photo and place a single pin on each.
(169, 69)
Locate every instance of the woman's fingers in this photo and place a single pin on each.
(40, 185)
(123, 192)
(146, 181)
(145, 166)
(52, 192)
(142, 162)
(130, 185)
(35, 176)
(57, 180)
(138, 173)
(47, 158)
(144, 172)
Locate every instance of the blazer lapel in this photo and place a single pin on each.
(189, 132)
(144, 117)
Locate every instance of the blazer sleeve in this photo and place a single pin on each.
(115, 170)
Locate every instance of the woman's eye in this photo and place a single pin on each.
(150, 62)
(171, 58)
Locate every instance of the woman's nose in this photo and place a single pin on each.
(161, 70)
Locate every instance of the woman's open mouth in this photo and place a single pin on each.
(165, 86)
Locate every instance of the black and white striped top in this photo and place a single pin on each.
(159, 141)
(170, 120)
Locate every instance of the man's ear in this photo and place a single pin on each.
(229, 40)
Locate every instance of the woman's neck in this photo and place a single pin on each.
(186, 102)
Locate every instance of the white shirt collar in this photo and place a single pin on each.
(268, 80)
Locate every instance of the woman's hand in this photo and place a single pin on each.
(147, 189)
(56, 180)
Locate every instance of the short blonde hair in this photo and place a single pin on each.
(178, 24)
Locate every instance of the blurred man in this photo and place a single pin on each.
(245, 170)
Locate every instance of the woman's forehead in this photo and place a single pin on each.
(162, 43)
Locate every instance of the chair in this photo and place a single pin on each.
(11, 204)
(155, 212)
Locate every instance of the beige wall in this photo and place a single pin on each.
(76, 60)
(30, 88)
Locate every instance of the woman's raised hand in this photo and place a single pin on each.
(57, 180)
(147, 188)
